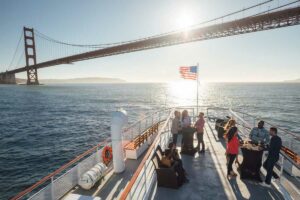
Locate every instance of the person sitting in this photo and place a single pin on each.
(199, 127)
(273, 156)
(171, 158)
(172, 151)
(176, 126)
(259, 134)
(232, 149)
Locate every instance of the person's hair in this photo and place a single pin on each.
(175, 112)
(184, 113)
(201, 113)
(171, 144)
(229, 124)
(261, 122)
(231, 133)
(274, 129)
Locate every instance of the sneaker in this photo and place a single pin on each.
(202, 151)
(277, 181)
(264, 184)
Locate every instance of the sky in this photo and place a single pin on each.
(267, 56)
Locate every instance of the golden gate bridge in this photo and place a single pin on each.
(277, 17)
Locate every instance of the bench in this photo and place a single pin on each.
(140, 143)
(166, 176)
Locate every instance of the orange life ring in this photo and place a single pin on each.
(107, 155)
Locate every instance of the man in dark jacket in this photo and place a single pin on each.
(273, 156)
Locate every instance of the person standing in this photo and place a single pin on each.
(259, 134)
(232, 150)
(231, 123)
(186, 119)
(176, 126)
(199, 127)
(273, 156)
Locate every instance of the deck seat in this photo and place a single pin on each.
(166, 176)
(140, 143)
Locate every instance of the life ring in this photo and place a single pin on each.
(107, 155)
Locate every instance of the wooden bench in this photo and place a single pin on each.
(141, 142)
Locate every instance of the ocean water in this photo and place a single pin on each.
(43, 127)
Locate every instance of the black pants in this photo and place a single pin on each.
(231, 158)
(269, 165)
(175, 138)
(180, 171)
(200, 140)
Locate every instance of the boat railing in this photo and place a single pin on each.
(58, 183)
(144, 179)
(135, 129)
(288, 166)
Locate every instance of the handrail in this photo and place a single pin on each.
(140, 167)
(59, 170)
(271, 124)
(147, 115)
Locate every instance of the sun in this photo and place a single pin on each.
(185, 20)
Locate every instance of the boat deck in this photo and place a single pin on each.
(207, 174)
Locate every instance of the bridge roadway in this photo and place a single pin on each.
(273, 20)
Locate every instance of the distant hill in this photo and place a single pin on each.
(293, 81)
(77, 80)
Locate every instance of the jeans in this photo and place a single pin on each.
(175, 138)
(231, 158)
(269, 165)
(200, 140)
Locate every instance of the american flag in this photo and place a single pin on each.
(189, 72)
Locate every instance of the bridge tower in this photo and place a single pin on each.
(30, 56)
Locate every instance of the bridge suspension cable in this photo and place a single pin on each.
(15, 52)
(99, 46)
(105, 45)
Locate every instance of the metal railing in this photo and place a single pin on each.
(287, 169)
(140, 126)
(144, 178)
(65, 182)
(58, 183)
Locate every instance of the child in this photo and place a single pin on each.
(199, 126)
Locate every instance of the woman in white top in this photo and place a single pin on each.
(186, 120)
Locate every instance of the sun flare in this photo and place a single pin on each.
(185, 92)
(185, 20)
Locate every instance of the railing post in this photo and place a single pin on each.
(145, 176)
(52, 188)
(159, 116)
(152, 120)
(193, 113)
(281, 168)
(139, 127)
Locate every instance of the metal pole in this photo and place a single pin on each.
(52, 188)
(197, 87)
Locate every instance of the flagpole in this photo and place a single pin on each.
(197, 88)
